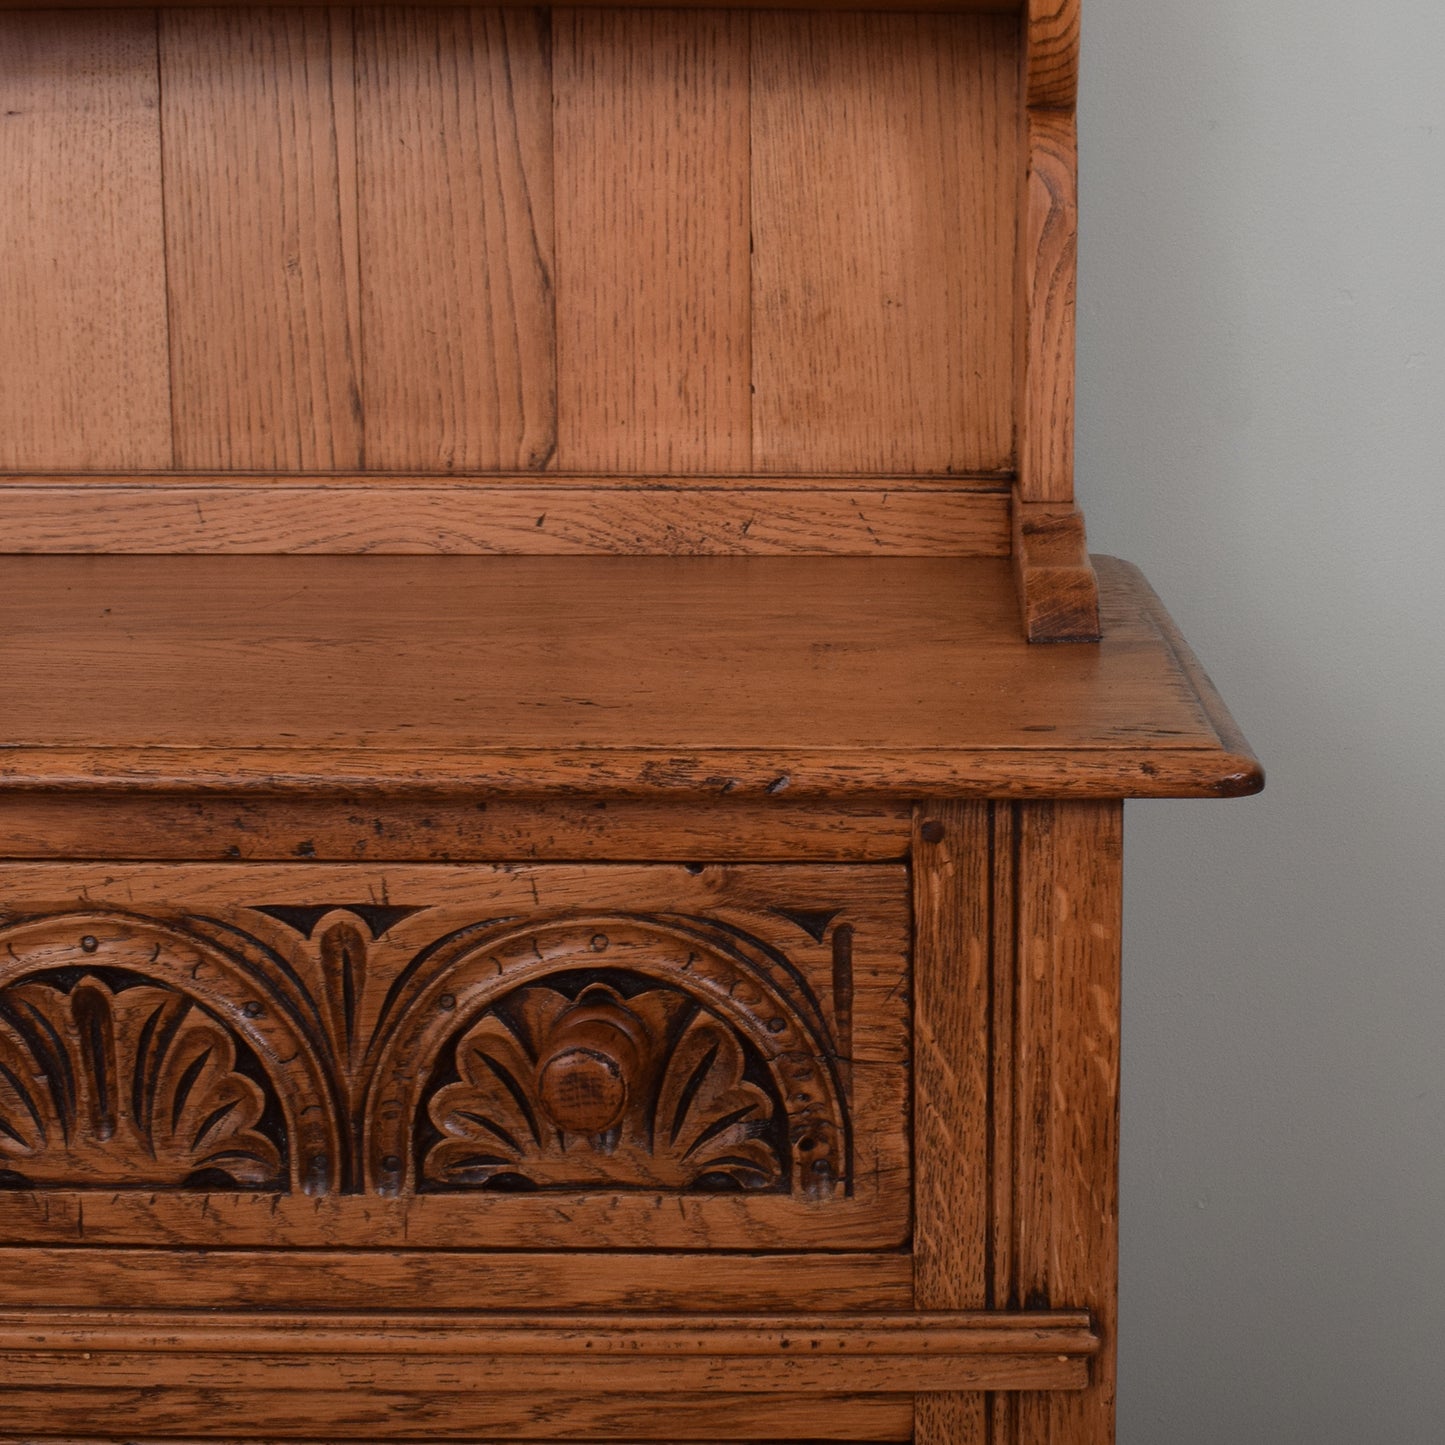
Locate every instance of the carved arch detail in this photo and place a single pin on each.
(133, 1055)
(608, 1050)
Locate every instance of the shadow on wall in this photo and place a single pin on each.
(1262, 385)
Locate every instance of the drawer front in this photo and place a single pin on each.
(423, 1056)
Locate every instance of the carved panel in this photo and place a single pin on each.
(648, 1089)
(204, 1031)
(127, 1084)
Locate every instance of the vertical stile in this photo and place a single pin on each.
(951, 1060)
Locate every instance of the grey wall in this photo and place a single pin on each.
(1262, 428)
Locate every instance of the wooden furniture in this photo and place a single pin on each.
(550, 885)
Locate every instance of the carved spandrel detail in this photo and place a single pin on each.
(649, 1091)
(125, 1088)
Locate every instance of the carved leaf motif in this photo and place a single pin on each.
(124, 1089)
(646, 1092)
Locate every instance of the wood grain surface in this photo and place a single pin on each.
(1051, 53)
(444, 830)
(84, 371)
(477, 1358)
(394, 516)
(398, 1281)
(1066, 1062)
(782, 243)
(883, 219)
(1047, 279)
(538, 674)
(368, 1416)
(652, 145)
(1057, 586)
(258, 136)
(952, 1137)
(454, 175)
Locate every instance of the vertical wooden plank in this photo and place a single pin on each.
(653, 287)
(952, 964)
(257, 115)
(884, 201)
(1047, 270)
(1002, 1408)
(83, 369)
(454, 164)
(1067, 1099)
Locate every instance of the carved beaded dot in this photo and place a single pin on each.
(447, 1002)
(821, 1166)
(776, 1026)
(90, 943)
(599, 942)
(391, 1164)
(252, 1010)
(933, 832)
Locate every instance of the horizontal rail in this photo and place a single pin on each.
(557, 517)
(863, 1353)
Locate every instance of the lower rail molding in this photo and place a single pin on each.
(467, 1354)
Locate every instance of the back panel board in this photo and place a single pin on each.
(707, 243)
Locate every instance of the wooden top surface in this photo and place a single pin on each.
(791, 676)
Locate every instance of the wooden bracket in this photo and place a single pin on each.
(1057, 587)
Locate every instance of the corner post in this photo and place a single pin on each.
(1058, 591)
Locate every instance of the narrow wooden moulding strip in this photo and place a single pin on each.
(865, 1353)
(470, 517)
(1082, 772)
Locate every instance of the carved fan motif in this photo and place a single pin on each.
(642, 1092)
(126, 1088)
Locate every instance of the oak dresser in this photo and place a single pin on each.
(562, 756)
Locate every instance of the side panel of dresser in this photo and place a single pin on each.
(1016, 1091)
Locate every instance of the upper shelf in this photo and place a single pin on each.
(634, 675)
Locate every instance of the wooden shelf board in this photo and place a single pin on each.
(631, 675)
